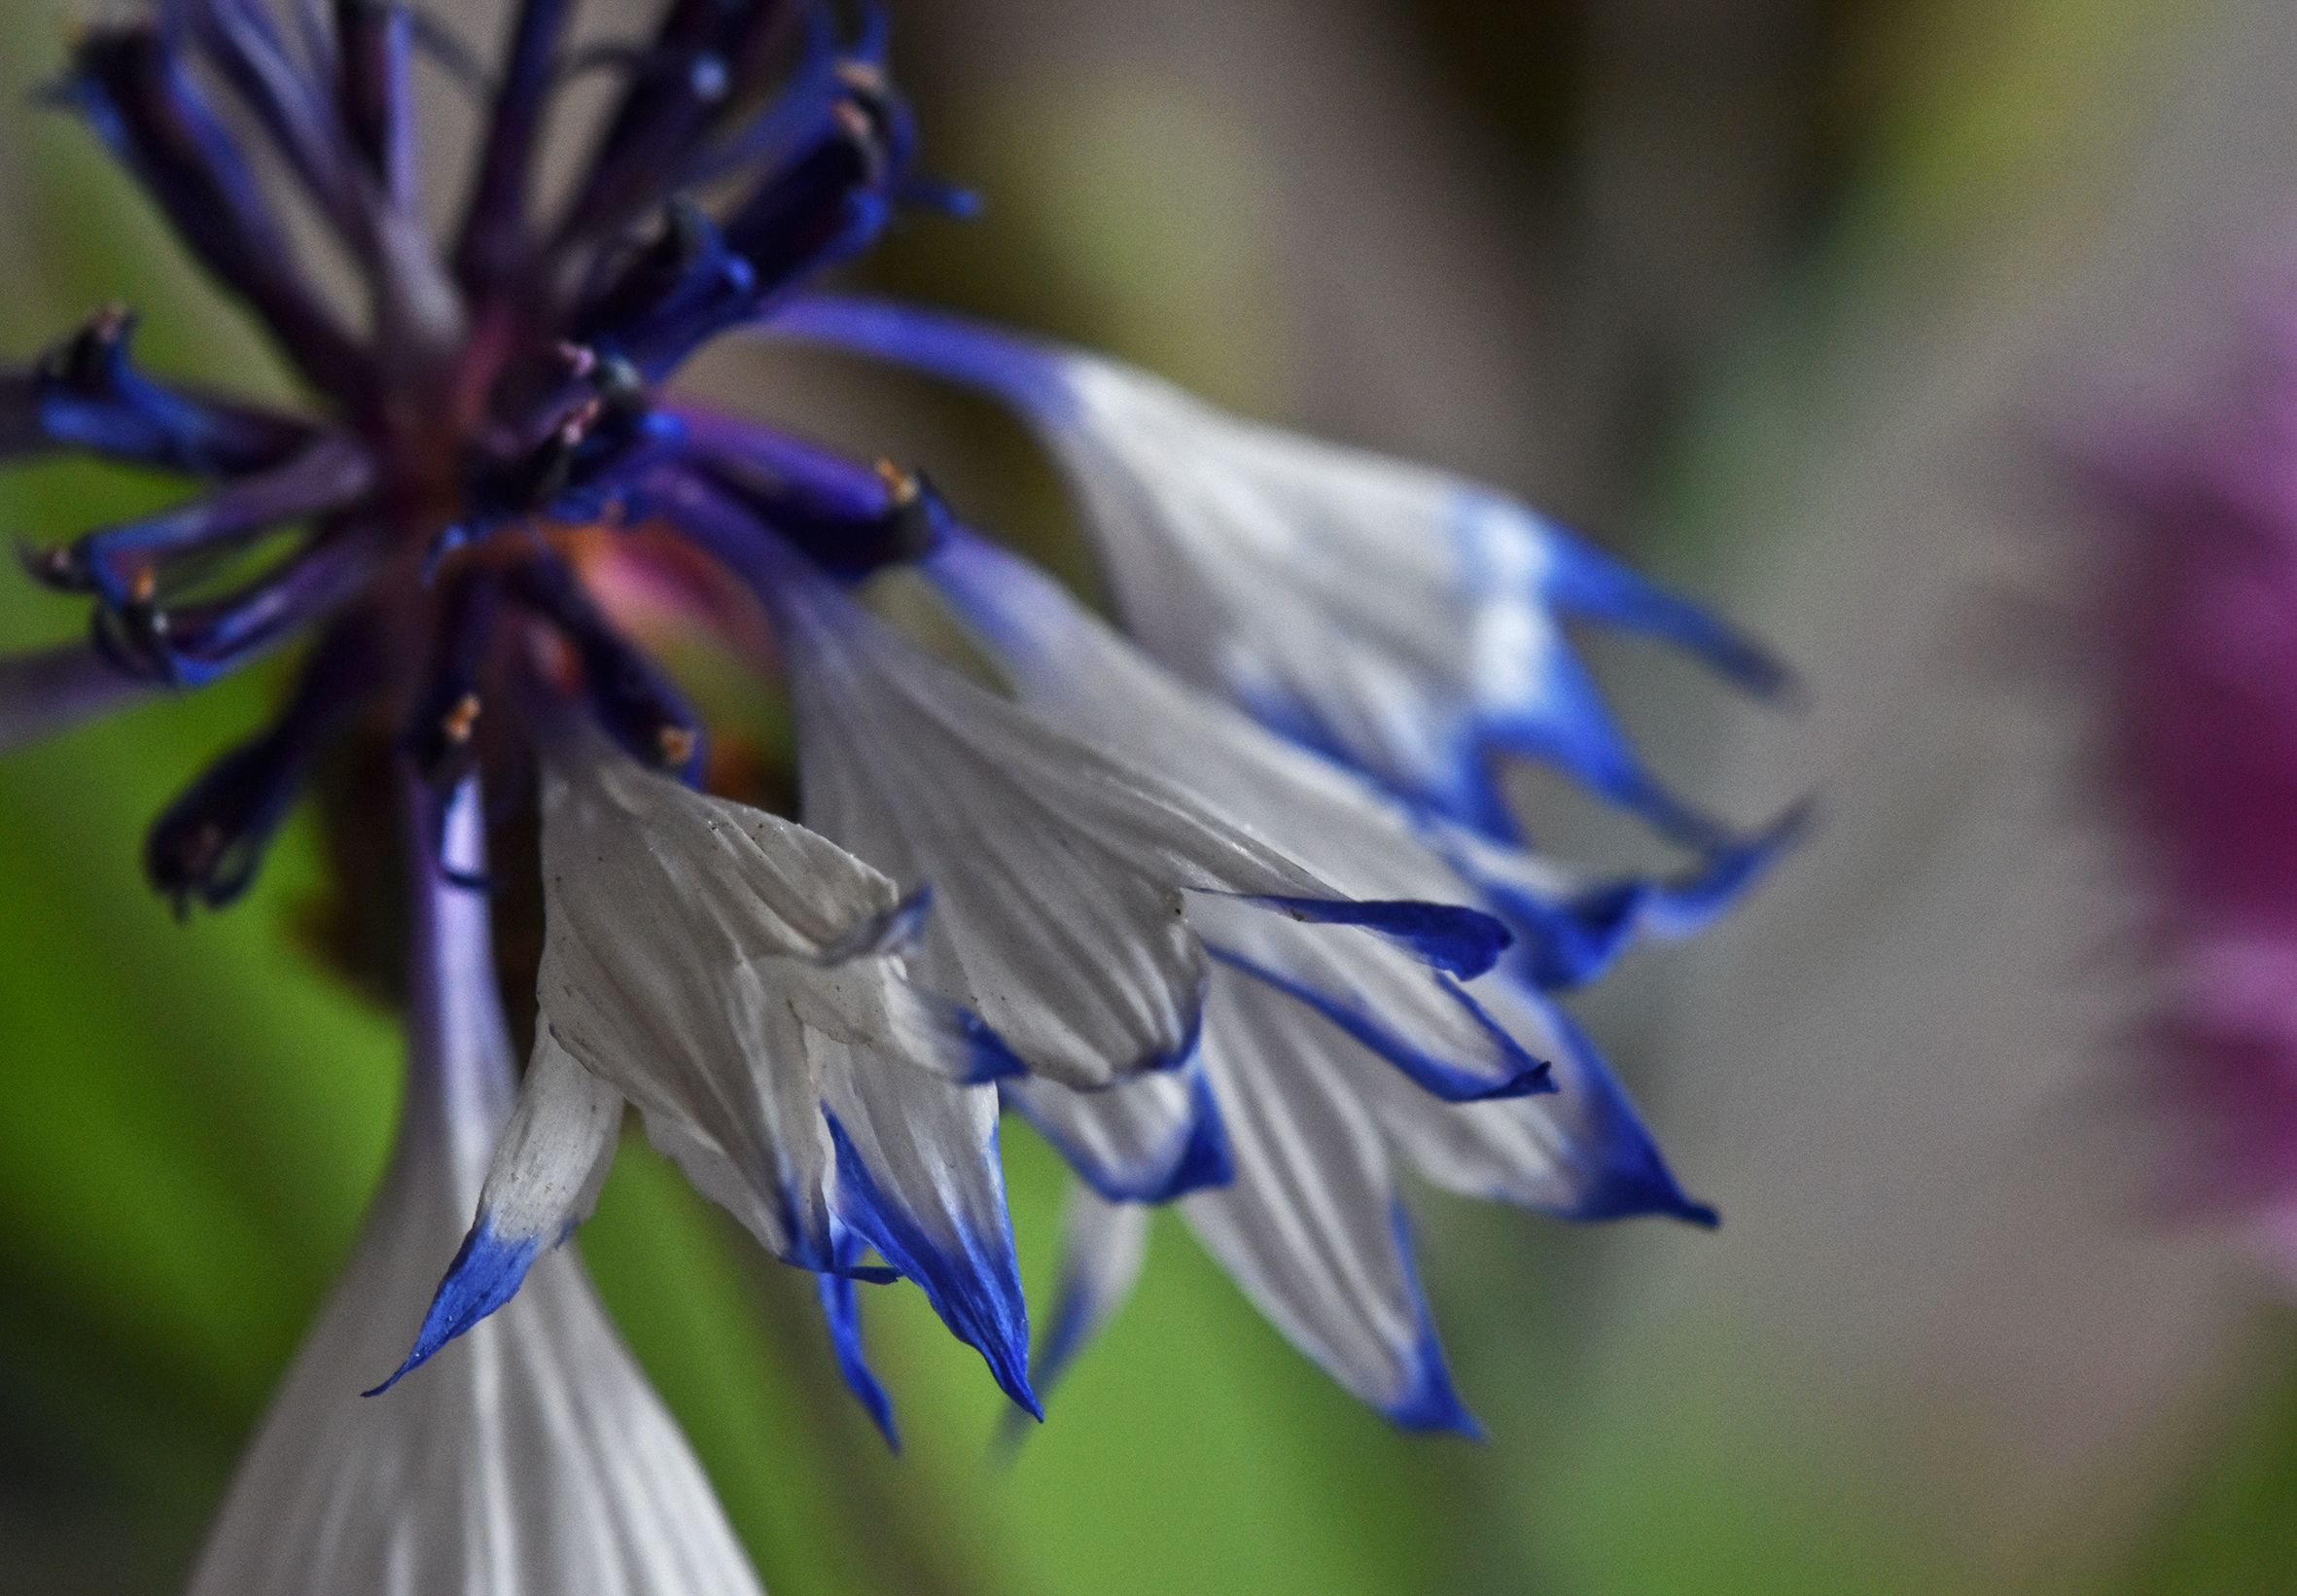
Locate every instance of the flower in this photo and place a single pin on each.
(1228, 904)
(542, 1462)
(2193, 597)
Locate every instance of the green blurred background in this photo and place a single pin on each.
(1787, 294)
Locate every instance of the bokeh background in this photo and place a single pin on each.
(1796, 299)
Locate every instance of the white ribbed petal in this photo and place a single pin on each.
(536, 1461)
(1424, 1023)
(1144, 1140)
(1310, 1228)
(1074, 669)
(1103, 1245)
(1578, 1153)
(694, 952)
(1402, 617)
(742, 980)
(1057, 870)
(554, 1152)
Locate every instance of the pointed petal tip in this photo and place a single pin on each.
(1523, 1075)
(1428, 1401)
(1431, 1404)
(1649, 1192)
(974, 1285)
(487, 1273)
(841, 1311)
(1206, 1159)
(1455, 939)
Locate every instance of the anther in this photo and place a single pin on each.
(902, 488)
(864, 77)
(143, 586)
(460, 720)
(676, 744)
(855, 122)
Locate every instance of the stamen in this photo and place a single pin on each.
(86, 392)
(131, 86)
(901, 487)
(208, 844)
(459, 722)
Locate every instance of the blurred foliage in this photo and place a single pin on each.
(195, 1111)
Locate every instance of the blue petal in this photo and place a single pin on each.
(1198, 1157)
(1444, 1079)
(1428, 1401)
(1070, 1333)
(1566, 942)
(1694, 900)
(1028, 373)
(843, 1313)
(1583, 580)
(975, 1288)
(1456, 940)
(1563, 720)
(1631, 1179)
(485, 1274)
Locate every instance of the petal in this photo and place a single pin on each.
(552, 1158)
(1144, 1139)
(843, 1314)
(1570, 928)
(1071, 667)
(695, 952)
(918, 1179)
(1059, 869)
(1311, 1228)
(1397, 617)
(1424, 1023)
(1102, 1248)
(1581, 1152)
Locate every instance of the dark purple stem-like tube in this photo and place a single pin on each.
(494, 241)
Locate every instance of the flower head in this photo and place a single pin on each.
(1226, 903)
(2200, 740)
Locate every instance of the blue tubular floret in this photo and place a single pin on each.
(88, 393)
(845, 519)
(208, 844)
(134, 90)
(632, 697)
(118, 563)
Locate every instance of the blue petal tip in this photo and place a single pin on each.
(487, 1273)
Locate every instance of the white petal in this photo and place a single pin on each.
(1399, 616)
(742, 980)
(555, 1152)
(1058, 872)
(536, 1462)
(1311, 1228)
(1578, 1153)
(1144, 1139)
(1078, 672)
(1420, 1021)
(1103, 1245)
(691, 947)
(918, 1178)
